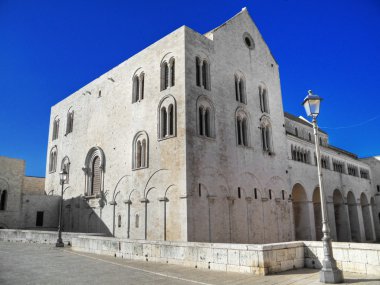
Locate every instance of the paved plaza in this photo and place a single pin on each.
(23, 263)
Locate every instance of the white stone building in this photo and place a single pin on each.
(187, 140)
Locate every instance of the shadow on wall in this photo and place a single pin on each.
(81, 215)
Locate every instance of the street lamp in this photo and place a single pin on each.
(329, 272)
(62, 180)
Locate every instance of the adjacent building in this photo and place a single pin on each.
(23, 201)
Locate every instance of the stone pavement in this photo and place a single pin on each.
(23, 263)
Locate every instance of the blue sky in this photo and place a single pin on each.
(49, 49)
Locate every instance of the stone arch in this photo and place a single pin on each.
(341, 220)
(53, 156)
(205, 117)
(301, 213)
(140, 150)
(266, 134)
(203, 78)
(167, 66)
(242, 118)
(94, 169)
(368, 231)
(167, 117)
(240, 87)
(65, 165)
(263, 98)
(353, 217)
(138, 85)
(317, 213)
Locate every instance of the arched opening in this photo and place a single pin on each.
(198, 71)
(341, 222)
(366, 217)
(317, 214)
(3, 200)
(163, 122)
(96, 176)
(171, 120)
(353, 217)
(135, 92)
(301, 213)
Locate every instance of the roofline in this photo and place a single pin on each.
(297, 119)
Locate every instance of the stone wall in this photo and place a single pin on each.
(361, 258)
(49, 237)
(257, 259)
(34, 185)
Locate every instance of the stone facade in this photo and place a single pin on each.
(23, 198)
(188, 141)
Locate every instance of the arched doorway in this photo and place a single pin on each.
(366, 217)
(301, 213)
(353, 215)
(317, 214)
(341, 222)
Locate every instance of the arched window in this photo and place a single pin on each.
(3, 200)
(242, 129)
(296, 131)
(138, 87)
(198, 71)
(266, 136)
(140, 150)
(167, 73)
(240, 90)
(119, 221)
(65, 165)
(94, 171)
(263, 94)
(137, 220)
(172, 71)
(202, 73)
(53, 159)
(205, 117)
(55, 128)
(167, 117)
(69, 121)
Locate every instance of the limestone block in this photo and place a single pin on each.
(299, 263)
(190, 254)
(218, 266)
(248, 258)
(341, 254)
(373, 269)
(147, 250)
(281, 254)
(300, 252)
(204, 254)
(287, 265)
(137, 249)
(291, 253)
(357, 256)
(354, 267)
(174, 252)
(373, 257)
(233, 257)
(269, 258)
(220, 256)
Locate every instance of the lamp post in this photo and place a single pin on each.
(329, 272)
(62, 180)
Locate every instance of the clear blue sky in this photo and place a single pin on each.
(49, 49)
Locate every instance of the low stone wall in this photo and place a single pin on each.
(49, 237)
(361, 258)
(261, 259)
(257, 259)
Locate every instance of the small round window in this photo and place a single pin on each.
(248, 41)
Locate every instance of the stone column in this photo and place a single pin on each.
(310, 207)
(361, 222)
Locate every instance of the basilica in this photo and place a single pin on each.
(188, 141)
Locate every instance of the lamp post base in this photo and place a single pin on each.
(331, 276)
(59, 243)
